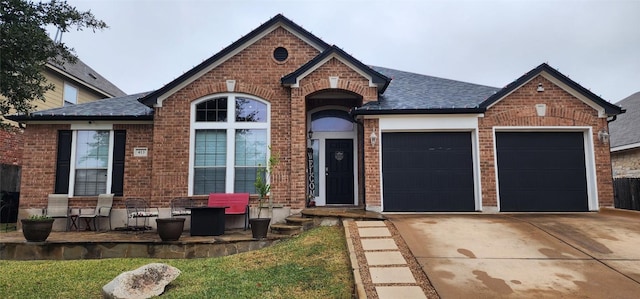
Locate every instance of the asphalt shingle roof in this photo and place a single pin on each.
(625, 130)
(410, 91)
(126, 107)
(82, 72)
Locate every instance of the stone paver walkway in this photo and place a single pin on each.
(390, 274)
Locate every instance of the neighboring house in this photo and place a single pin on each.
(74, 84)
(625, 139)
(377, 138)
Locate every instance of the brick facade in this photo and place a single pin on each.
(288, 114)
(164, 173)
(11, 146)
(563, 109)
(39, 164)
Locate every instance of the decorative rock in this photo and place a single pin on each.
(145, 282)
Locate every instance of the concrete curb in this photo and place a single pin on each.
(359, 286)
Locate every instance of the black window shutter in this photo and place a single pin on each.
(117, 176)
(63, 162)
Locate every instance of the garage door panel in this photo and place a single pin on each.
(427, 172)
(541, 171)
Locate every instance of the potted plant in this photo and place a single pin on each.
(170, 229)
(260, 225)
(37, 228)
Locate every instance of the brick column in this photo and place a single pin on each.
(298, 149)
(372, 166)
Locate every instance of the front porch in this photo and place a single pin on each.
(126, 244)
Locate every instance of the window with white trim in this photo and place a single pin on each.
(91, 162)
(70, 94)
(229, 143)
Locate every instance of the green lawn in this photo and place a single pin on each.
(312, 265)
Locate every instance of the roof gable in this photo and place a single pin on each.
(155, 98)
(603, 107)
(376, 79)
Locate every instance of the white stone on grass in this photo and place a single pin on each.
(145, 282)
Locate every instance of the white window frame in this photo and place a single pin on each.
(230, 126)
(72, 171)
(64, 94)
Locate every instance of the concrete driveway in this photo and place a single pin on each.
(589, 255)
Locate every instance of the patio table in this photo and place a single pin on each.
(207, 221)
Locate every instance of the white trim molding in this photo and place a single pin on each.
(589, 157)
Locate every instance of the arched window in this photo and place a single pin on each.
(331, 121)
(228, 145)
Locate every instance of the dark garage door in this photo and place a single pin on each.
(427, 172)
(541, 172)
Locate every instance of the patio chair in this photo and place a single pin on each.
(58, 207)
(138, 210)
(180, 207)
(102, 210)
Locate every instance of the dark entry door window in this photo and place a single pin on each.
(339, 171)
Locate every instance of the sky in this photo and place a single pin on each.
(489, 42)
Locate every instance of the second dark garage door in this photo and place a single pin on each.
(541, 171)
(427, 172)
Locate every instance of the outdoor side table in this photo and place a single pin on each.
(207, 221)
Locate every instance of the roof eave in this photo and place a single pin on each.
(36, 118)
(62, 72)
(609, 109)
(356, 112)
(381, 81)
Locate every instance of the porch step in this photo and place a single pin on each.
(306, 223)
(286, 229)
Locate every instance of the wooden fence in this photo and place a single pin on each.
(627, 193)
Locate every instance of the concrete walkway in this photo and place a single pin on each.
(388, 275)
(582, 255)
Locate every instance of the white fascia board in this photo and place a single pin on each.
(541, 128)
(77, 80)
(321, 63)
(83, 122)
(573, 92)
(237, 50)
(428, 122)
(625, 147)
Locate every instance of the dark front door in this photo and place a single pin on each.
(339, 171)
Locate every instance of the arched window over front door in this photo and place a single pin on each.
(331, 121)
(228, 144)
(333, 157)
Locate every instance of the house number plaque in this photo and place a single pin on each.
(140, 151)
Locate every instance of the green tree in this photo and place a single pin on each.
(25, 48)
